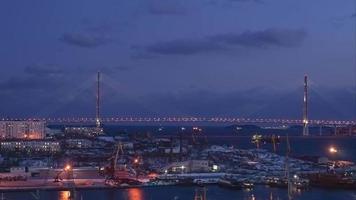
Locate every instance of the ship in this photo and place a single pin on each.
(277, 182)
(234, 183)
(343, 180)
(296, 182)
(230, 183)
(264, 139)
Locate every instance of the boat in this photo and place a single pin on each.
(230, 182)
(277, 182)
(247, 185)
(296, 182)
(185, 181)
(332, 180)
(301, 184)
(205, 181)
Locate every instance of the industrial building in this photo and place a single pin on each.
(189, 166)
(22, 130)
(84, 131)
(30, 146)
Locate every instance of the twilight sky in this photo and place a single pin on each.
(177, 57)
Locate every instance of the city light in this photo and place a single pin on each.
(333, 150)
(189, 119)
(67, 167)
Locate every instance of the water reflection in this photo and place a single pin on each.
(64, 195)
(253, 197)
(135, 194)
(270, 196)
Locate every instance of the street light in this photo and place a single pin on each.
(67, 168)
(136, 163)
(333, 150)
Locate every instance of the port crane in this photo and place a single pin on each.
(67, 169)
(111, 169)
(116, 175)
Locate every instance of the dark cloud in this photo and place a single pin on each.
(27, 95)
(138, 53)
(257, 103)
(184, 47)
(263, 39)
(253, 39)
(107, 26)
(46, 70)
(37, 77)
(43, 83)
(84, 40)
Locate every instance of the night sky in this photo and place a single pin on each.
(177, 57)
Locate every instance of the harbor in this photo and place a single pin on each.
(146, 161)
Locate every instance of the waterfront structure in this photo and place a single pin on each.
(22, 130)
(30, 146)
(83, 131)
(78, 143)
(189, 166)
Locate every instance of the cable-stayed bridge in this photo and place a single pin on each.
(99, 119)
(158, 120)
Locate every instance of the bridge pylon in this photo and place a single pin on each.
(97, 116)
(305, 107)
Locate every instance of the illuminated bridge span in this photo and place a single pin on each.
(98, 120)
(227, 120)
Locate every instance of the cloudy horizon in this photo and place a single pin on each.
(171, 57)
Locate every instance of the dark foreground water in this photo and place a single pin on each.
(187, 193)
